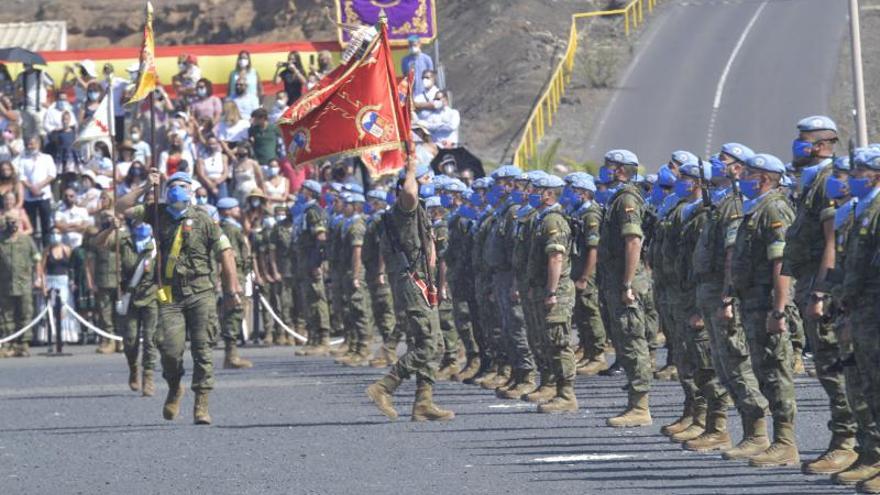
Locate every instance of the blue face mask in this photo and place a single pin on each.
(535, 200)
(801, 149)
(517, 196)
(860, 187)
(603, 197)
(656, 196)
(390, 198)
(836, 188)
(426, 190)
(719, 170)
(468, 212)
(683, 188)
(446, 201)
(476, 200)
(494, 195)
(301, 199)
(368, 209)
(567, 197)
(749, 188)
(177, 194)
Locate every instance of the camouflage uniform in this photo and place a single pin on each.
(18, 260)
(311, 224)
(355, 297)
(587, 318)
(380, 294)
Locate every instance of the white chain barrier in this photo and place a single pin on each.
(285, 327)
(30, 325)
(91, 327)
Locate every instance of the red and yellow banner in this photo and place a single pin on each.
(148, 77)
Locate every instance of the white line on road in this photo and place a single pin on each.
(719, 90)
(514, 405)
(581, 457)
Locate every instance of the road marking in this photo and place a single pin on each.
(719, 90)
(581, 457)
(511, 406)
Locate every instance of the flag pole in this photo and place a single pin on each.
(111, 125)
(156, 188)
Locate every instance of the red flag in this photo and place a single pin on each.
(354, 110)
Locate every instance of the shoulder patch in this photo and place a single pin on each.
(552, 232)
(776, 225)
(629, 209)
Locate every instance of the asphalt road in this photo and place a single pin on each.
(706, 72)
(303, 425)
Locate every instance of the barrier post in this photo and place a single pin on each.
(55, 301)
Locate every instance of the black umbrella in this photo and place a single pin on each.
(461, 159)
(22, 56)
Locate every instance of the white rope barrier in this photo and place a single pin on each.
(288, 329)
(27, 327)
(91, 327)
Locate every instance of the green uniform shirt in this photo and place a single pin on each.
(408, 228)
(551, 235)
(144, 292)
(458, 256)
(623, 218)
(371, 252)
(861, 282)
(589, 220)
(353, 230)
(104, 261)
(522, 238)
(760, 241)
(805, 241)
(279, 247)
(716, 237)
(240, 248)
(312, 224)
(265, 142)
(18, 259)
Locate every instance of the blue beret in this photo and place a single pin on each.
(142, 231)
(336, 186)
(665, 177)
(379, 194)
(483, 183)
(842, 163)
(869, 159)
(623, 157)
(549, 181)
(354, 197)
(455, 185)
(739, 151)
(585, 183)
(534, 175)
(227, 203)
(313, 186)
(180, 176)
(413, 38)
(506, 172)
(694, 171)
(433, 202)
(786, 181)
(651, 178)
(351, 187)
(767, 163)
(682, 157)
(817, 123)
(427, 190)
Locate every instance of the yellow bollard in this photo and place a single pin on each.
(626, 22)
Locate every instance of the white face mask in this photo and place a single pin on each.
(135, 137)
(438, 104)
(428, 83)
(182, 67)
(243, 62)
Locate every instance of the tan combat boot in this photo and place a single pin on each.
(390, 353)
(683, 421)
(424, 408)
(637, 412)
(668, 373)
(379, 360)
(754, 440)
(782, 452)
(864, 469)
(345, 357)
(22, 350)
(447, 369)
(696, 428)
(487, 374)
(716, 436)
(321, 349)
(593, 366)
(200, 409)
(231, 360)
(105, 347)
(525, 385)
(798, 368)
(565, 400)
(172, 401)
(470, 369)
(545, 391)
(870, 486)
(381, 393)
(500, 379)
(149, 387)
(361, 357)
(133, 376)
(839, 457)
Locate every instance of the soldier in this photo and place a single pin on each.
(101, 263)
(408, 250)
(620, 256)
(335, 273)
(653, 227)
(258, 225)
(141, 308)
(187, 240)
(355, 297)
(809, 254)
(284, 290)
(763, 292)
(587, 316)
(549, 270)
(859, 291)
(231, 317)
(381, 300)
(20, 273)
(311, 240)
(451, 344)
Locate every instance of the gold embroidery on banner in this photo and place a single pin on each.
(418, 24)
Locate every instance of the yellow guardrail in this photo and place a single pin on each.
(542, 115)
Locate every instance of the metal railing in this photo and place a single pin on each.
(542, 114)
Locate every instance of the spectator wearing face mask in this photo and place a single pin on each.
(34, 84)
(423, 103)
(142, 151)
(443, 124)
(61, 141)
(205, 105)
(11, 144)
(246, 102)
(246, 72)
(88, 195)
(136, 177)
(276, 185)
(418, 62)
(115, 86)
(292, 74)
(10, 183)
(101, 164)
(8, 114)
(279, 107)
(212, 169)
(264, 137)
(55, 265)
(12, 203)
(52, 116)
(37, 171)
(177, 152)
(71, 220)
(88, 108)
(188, 75)
(233, 128)
(125, 151)
(79, 77)
(246, 172)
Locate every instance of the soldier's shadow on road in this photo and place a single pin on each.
(303, 425)
(70, 397)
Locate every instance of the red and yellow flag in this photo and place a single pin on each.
(148, 77)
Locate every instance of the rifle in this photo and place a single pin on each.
(704, 186)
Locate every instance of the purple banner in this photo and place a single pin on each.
(405, 17)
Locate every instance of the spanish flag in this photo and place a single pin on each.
(148, 78)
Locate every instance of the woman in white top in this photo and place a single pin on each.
(100, 163)
(276, 185)
(250, 74)
(212, 170)
(246, 172)
(232, 129)
(88, 196)
(11, 144)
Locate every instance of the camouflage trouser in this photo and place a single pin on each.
(422, 327)
(772, 358)
(865, 321)
(382, 304)
(857, 383)
(663, 304)
(105, 311)
(15, 313)
(270, 329)
(730, 353)
(826, 352)
(652, 318)
(356, 312)
(796, 321)
(557, 334)
(463, 310)
(681, 334)
(587, 321)
(230, 323)
(628, 324)
(198, 314)
(489, 321)
(514, 335)
(317, 313)
(451, 343)
(141, 318)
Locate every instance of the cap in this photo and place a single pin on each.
(227, 203)
(180, 176)
(738, 151)
(313, 186)
(767, 163)
(623, 157)
(257, 193)
(534, 175)
(870, 158)
(455, 185)
(548, 181)
(681, 157)
(817, 123)
(483, 183)
(413, 38)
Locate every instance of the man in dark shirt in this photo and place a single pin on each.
(264, 137)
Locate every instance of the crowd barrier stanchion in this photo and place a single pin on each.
(55, 308)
